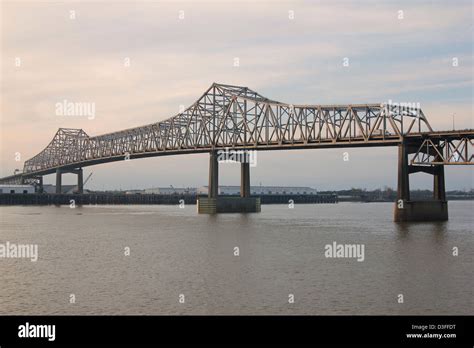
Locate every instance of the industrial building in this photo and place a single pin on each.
(171, 190)
(64, 188)
(17, 189)
(228, 190)
(261, 190)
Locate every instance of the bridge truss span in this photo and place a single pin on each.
(433, 151)
(235, 117)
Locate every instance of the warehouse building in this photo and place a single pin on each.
(262, 190)
(17, 189)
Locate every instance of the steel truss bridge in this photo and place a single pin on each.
(233, 117)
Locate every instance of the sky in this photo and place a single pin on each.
(140, 62)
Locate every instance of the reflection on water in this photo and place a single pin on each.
(439, 229)
(175, 251)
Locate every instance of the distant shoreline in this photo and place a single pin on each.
(175, 199)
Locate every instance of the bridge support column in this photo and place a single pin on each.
(80, 181)
(39, 187)
(245, 179)
(58, 181)
(439, 190)
(403, 188)
(213, 188)
(214, 203)
(407, 210)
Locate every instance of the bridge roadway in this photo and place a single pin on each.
(237, 118)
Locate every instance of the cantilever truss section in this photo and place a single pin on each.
(445, 151)
(65, 146)
(237, 117)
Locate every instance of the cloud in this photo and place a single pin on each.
(174, 60)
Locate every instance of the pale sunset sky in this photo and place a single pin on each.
(291, 51)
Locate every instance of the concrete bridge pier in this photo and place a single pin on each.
(39, 185)
(80, 179)
(244, 180)
(218, 204)
(407, 210)
(58, 181)
(439, 190)
(213, 188)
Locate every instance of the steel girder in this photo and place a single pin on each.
(445, 152)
